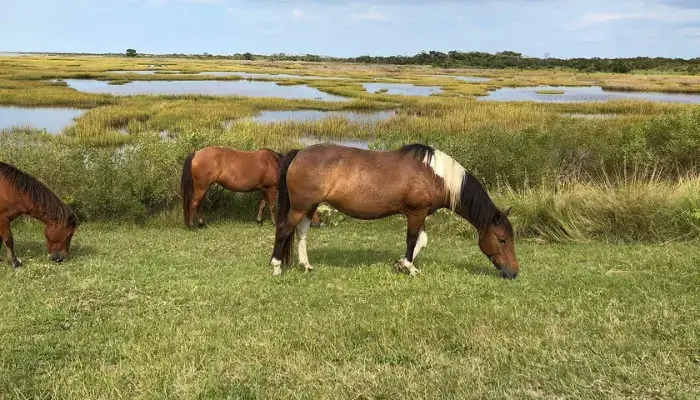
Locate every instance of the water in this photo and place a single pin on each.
(582, 94)
(357, 143)
(466, 78)
(254, 75)
(402, 88)
(240, 88)
(151, 72)
(54, 120)
(592, 116)
(316, 115)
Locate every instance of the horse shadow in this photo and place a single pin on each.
(476, 268)
(333, 257)
(33, 249)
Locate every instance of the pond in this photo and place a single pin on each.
(357, 143)
(54, 120)
(402, 89)
(254, 75)
(316, 115)
(582, 94)
(142, 72)
(465, 78)
(239, 88)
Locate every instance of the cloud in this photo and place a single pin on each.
(371, 15)
(297, 13)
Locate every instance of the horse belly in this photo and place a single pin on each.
(365, 204)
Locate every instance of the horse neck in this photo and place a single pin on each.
(39, 213)
(475, 205)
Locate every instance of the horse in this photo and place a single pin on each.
(414, 180)
(23, 194)
(235, 170)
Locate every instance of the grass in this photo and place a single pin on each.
(550, 92)
(156, 311)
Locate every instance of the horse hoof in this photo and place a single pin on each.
(308, 268)
(260, 223)
(17, 263)
(277, 271)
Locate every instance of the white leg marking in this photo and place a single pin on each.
(302, 230)
(404, 264)
(276, 267)
(420, 244)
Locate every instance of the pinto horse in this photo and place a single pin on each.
(235, 170)
(414, 180)
(20, 194)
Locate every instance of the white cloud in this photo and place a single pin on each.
(654, 10)
(297, 13)
(371, 15)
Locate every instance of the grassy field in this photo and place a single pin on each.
(606, 208)
(159, 312)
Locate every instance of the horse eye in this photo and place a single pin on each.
(501, 241)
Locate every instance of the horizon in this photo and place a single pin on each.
(563, 29)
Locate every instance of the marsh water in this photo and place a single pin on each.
(54, 120)
(465, 78)
(582, 94)
(317, 115)
(357, 143)
(402, 89)
(240, 88)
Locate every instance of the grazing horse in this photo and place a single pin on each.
(414, 180)
(237, 171)
(21, 193)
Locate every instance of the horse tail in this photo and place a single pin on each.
(187, 188)
(284, 205)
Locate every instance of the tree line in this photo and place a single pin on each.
(477, 59)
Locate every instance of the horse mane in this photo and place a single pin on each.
(49, 204)
(477, 206)
(421, 152)
(466, 195)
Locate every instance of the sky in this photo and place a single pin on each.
(560, 28)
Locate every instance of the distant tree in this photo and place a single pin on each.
(247, 56)
(620, 68)
(130, 53)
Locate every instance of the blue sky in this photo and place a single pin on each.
(563, 28)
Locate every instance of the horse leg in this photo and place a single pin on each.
(199, 193)
(416, 221)
(6, 234)
(270, 194)
(421, 243)
(302, 230)
(284, 230)
(261, 207)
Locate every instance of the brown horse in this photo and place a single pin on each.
(237, 171)
(20, 194)
(414, 180)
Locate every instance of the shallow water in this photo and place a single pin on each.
(582, 94)
(316, 115)
(357, 143)
(240, 88)
(261, 75)
(466, 78)
(142, 72)
(402, 89)
(54, 120)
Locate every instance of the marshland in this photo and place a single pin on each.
(600, 169)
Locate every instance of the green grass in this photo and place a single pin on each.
(160, 312)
